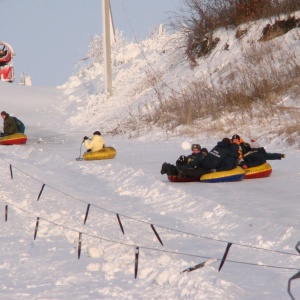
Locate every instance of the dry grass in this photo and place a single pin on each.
(199, 19)
(247, 92)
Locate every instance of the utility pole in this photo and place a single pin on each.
(106, 21)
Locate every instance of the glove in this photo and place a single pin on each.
(244, 167)
(282, 155)
(85, 138)
(181, 160)
(212, 170)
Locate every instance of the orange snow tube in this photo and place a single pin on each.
(13, 139)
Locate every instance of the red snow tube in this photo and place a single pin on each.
(174, 178)
(260, 171)
(14, 139)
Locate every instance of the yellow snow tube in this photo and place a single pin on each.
(236, 174)
(105, 153)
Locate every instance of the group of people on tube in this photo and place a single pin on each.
(225, 156)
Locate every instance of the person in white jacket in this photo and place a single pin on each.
(96, 144)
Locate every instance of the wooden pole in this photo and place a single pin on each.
(107, 46)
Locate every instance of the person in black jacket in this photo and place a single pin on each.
(257, 156)
(184, 163)
(243, 146)
(223, 157)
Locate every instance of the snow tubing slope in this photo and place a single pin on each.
(260, 171)
(105, 153)
(174, 178)
(236, 174)
(14, 139)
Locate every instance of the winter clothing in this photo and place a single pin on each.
(20, 125)
(184, 163)
(256, 156)
(222, 157)
(168, 169)
(243, 147)
(269, 156)
(9, 124)
(235, 137)
(96, 144)
(196, 146)
(252, 159)
(254, 144)
(191, 161)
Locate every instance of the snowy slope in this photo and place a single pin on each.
(195, 221)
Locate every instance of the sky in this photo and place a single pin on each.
(195, 221)
(50, 37)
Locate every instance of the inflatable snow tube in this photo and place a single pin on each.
(105, 153)
(236, 174)
(14, 139)
(174, 178)
(260, 171)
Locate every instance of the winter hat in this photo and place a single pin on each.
(97, 132)
(226, 140)
(254, 144)
(196, 146)
(204, 150)
(235, 137)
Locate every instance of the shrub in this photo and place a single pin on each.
(199, 19)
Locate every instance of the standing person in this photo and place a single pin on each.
(223, 157)
(9, 124)
(96, 144)
(189, 162)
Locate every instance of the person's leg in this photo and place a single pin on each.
(164, 168)
(171, 170)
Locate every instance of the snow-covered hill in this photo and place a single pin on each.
(151, 71)
(195, 221)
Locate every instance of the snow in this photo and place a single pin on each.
(195, 221)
